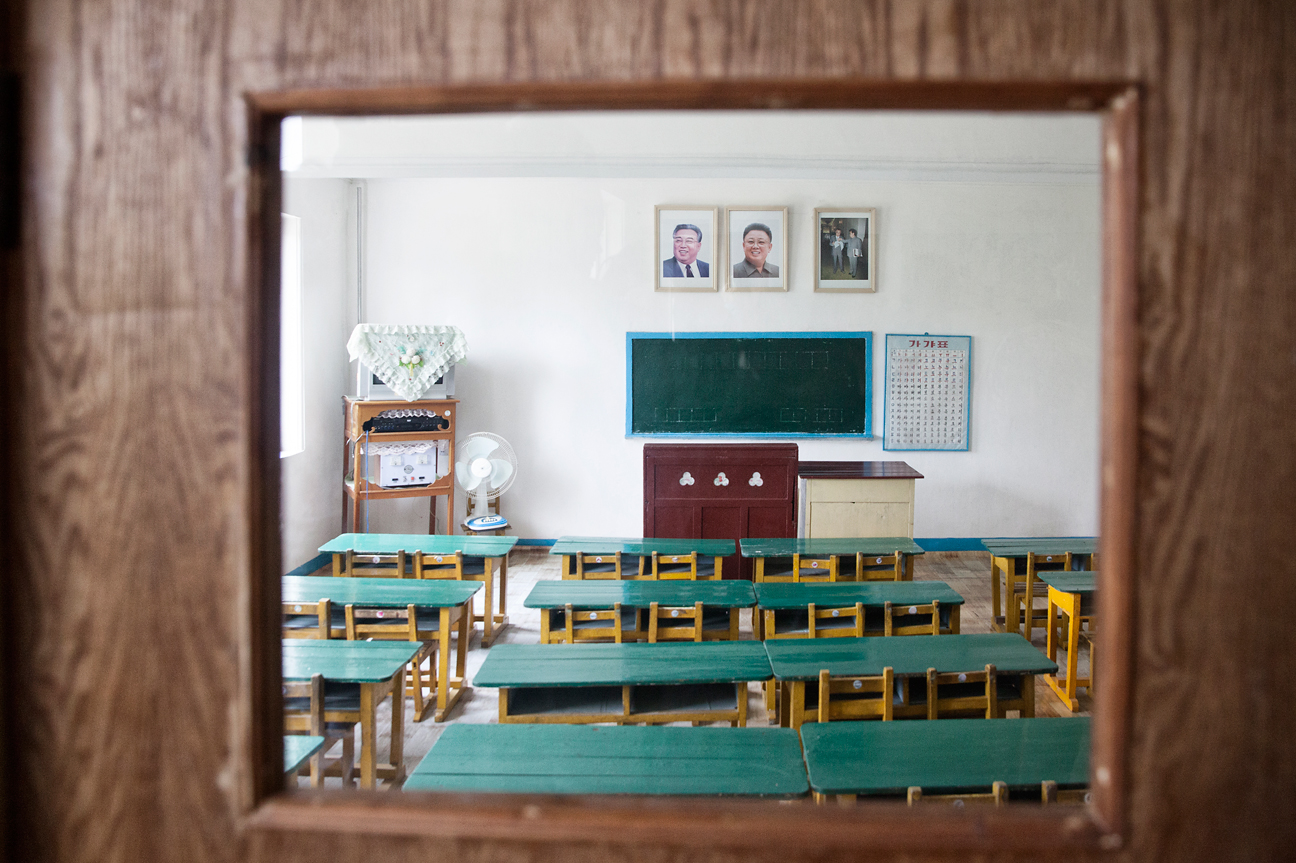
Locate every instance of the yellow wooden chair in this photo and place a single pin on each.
(1028, 588)
(674, 624)
(408, 624)
(599, 625)
(358, 565)
(448, 566)
(597, 566)
(675, 566)
(878, 567)
(807, 568)
(313, 620)
(912, 619)
(998, 796)
(966, 692)
(869, 697)
(775, 569)
(1050, 793)
(308, 710)
(835, 622)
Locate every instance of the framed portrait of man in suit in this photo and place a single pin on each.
(846, 250)
(686, 248)
(757, 248)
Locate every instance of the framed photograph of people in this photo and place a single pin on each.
(686, 248)
(846, 250)
(757, 248)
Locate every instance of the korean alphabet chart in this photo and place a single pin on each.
(928, 392)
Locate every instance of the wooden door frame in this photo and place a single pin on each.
(800, 829)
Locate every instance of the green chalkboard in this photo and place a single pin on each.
(749, 384)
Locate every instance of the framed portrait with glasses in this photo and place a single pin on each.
(758, 250)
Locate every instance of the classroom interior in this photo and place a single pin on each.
(534, 234)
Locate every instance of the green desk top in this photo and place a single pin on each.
(1068, 582)
(843, 594)
(299, 747)
(640, 594)
(636, 547)
(378, 592)
(438, 543)
(802, 658)
(619, 664)
(346, 661)
(1022, 545)
(869, 545)
(947, 755)
(584, 759)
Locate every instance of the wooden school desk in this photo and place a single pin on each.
(845, 551)
(298, 748)
(784, 608)
(796, 662)
(492, 551)
(379, 669)
(624, 683)
(888, 758)
(1008, 561)
(582, 759)
(1072, 593)
(442, 596)
(553, 597)
(636, 554)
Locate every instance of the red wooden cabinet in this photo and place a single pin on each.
(720, 491)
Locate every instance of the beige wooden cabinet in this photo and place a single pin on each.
(856, 498)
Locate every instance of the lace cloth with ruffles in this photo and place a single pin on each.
(407, 357)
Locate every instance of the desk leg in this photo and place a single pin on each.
(566, 567)
(443, 666)
(396, 758)
(995, 563)
(1073, 653)
(369, 736)
(1050, 621)
(461, 651)
(1070, 604)
(796, 713)
(493, 623)
(1028, 696)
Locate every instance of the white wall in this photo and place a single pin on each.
(312, 486)
(546, 274)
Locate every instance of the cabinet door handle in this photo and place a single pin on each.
(721, 479)
(686, 479)
(756, 479)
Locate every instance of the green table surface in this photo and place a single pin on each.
(620, 664)
(1069, 582)
(634, 546)
(843, 594)
(438, 543)
(584, 759)
(869, 545)
(640, 594)
(947, 755)
(911, 655)
(299, 747)
(378, 592)
(1021, 546)
(346, 661)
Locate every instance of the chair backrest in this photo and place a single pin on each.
(1036, 563)
(598, 565)
(308, 619)
(856, 697)
(1049, 793)
(675, 566)
(814, 567)
(998, 796)
(589, 628)
(449, 565)
(774, 569)
(356, 564)
(911, 619)
(880, 567)
(383, 624)
(963, 695)
(840, 622)
(668, 623)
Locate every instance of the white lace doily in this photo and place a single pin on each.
(414, 446)
(407, 357)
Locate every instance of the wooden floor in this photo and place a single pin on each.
(966, 572)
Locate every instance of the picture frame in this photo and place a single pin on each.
(771, 256)
(693, 267)
(844, 272)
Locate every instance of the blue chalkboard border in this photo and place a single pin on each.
(867, 335)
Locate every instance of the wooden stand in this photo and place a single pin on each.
(355, 413)
(856, 498)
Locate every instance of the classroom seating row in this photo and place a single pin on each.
(1044, 760)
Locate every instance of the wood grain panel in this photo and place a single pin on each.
(136, 538)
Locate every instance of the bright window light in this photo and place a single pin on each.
(292, 401)
(290, 144)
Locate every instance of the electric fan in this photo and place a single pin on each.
(484, 468)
